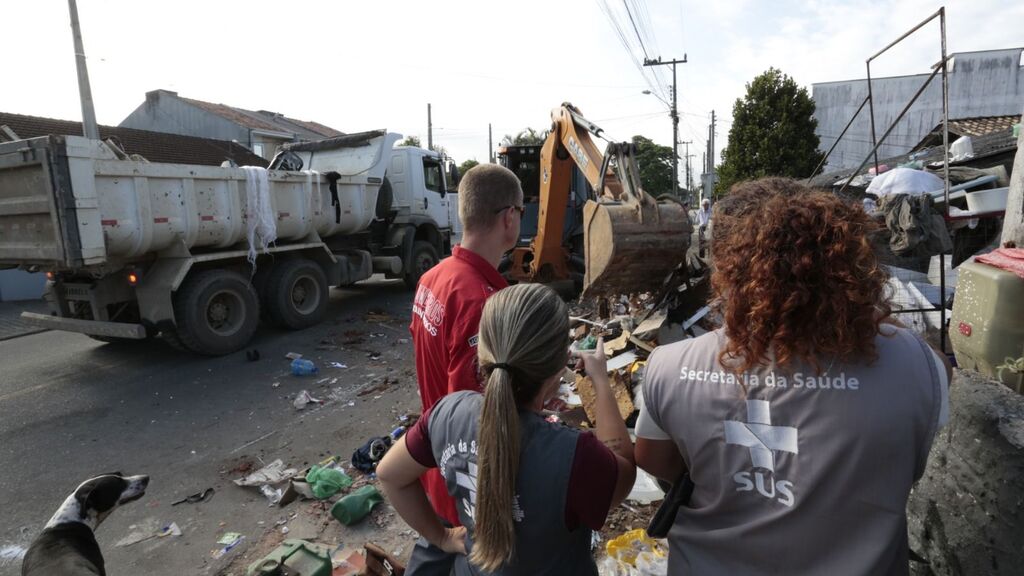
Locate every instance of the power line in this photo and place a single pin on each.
(625, 4)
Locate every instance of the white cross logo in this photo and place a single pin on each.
(760, 436)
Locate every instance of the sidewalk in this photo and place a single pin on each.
(11, 325)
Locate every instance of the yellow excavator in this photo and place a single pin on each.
(631, 241)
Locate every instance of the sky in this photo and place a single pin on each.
(376, 64)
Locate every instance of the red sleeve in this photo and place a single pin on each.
(417, 441)
(595, 471)
(463, 369)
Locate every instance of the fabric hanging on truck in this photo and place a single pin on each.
(332, 177)
(259, 213)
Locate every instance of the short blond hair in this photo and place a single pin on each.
(484, 190)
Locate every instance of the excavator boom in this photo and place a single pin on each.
(631, 242)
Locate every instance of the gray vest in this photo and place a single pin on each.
(800, 474)
(543, 543)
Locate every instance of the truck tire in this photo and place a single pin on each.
(296, 294)
(424, 257)
(216, 312)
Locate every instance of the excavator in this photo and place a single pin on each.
(631, 241)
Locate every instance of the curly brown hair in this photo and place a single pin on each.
(795, 276)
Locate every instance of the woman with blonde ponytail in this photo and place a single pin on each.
(528, 492)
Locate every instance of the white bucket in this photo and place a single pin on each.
(992, 200)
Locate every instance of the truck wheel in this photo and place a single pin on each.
(216, 312)
(424, 257)
(296, 294)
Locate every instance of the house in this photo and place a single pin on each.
(154, 146)
(985, 84)
(261, 131)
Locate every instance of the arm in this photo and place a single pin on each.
(660, 458)
(610, 429)
(938, 352)
(399, 475)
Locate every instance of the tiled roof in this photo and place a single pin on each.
(981, 125)
(154, 146)
(265, 120)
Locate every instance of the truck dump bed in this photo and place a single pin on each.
(68, 203)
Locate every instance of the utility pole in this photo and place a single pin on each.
(675, 117)
(490, 144)
(687, 155)
(430, 130)
(689, 178)
(711, 156)
(89, 127)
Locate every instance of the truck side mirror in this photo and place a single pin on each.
(453, 175)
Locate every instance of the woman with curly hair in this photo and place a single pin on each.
(804, 421)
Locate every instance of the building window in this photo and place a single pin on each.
(257, 149)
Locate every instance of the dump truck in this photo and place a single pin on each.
(199, 255)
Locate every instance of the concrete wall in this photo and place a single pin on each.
(989, 83)
(966, 514)
(163, 111)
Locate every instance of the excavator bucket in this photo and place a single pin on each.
(632, 246)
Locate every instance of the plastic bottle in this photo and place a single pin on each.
(357, 505)
(303, 367)
(397, 433)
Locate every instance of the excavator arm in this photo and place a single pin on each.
(626, 232)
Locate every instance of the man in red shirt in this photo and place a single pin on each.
(446, 315)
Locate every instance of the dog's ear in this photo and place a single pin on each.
(101, 494)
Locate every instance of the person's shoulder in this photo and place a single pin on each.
(708, 341)
(458, 401)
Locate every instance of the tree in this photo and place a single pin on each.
(411, 141)
(772, 133)
(655, 163)
(465, 166)
(526, 137)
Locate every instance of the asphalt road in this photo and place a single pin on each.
(71, 408)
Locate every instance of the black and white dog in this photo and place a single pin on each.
(67, 545)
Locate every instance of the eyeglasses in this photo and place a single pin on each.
(520, 209)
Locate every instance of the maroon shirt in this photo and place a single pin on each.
(591, 481)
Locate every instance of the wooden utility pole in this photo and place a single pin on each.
(490, 144)
(89, 127)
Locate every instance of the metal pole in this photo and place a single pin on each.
(945, 170)
(490, 144)
(893, 127)
(89, 127)
(871, 107)
(675, 135)
(430, 130)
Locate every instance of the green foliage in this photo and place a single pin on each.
(411, 141)
(525, 138)
(772, 133)
(655, 163)
(465, 166)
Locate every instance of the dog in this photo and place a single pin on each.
(67, 545)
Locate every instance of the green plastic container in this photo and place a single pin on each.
(357, 505)
(986, 327)
(304, 558)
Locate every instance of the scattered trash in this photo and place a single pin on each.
(273, 495)
(285, 530)
(403, 340)
(634, 553)
(347, 562)
(326, 482)
(273, 473)
(380, 563)
(357, 505)
(337, 365)
(366, 457)
(203, 496)
(293, 355)
(588, 343)
(146, 530)
(170, 530)
(252, 355)
(229, 540)
(275, 384)
(296, 557)
(303, 367)
(645, 489)
(373, 355)
(303, 399)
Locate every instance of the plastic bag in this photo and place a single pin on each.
(326, 482)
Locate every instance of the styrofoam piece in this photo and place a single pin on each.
(992, 200)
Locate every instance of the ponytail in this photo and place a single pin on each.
(498, 456)
(523, 342)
